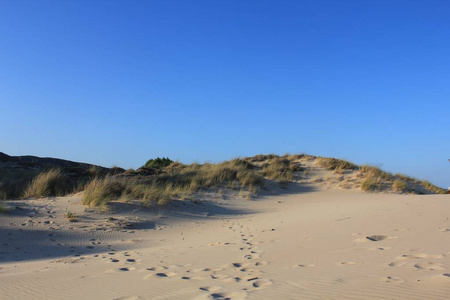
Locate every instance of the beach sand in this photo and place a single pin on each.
(308, 242)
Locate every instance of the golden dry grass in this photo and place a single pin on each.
(176, 181)
(338, 165)
(49, 183)
(400, 185)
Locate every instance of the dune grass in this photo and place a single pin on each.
(279, 169)
(400, 185)
(48, 183)
(431, 187)
(176, 181)
(371, 184)
(337, 165)
(3, 207)
(99, 191)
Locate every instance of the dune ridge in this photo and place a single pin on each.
(315, 236)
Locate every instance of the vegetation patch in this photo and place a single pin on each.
(400, 186)
(158, 163)
(71, 216)
(3, 208)
(371, 185)
(175, 181)
(50, 183)
(431, 187)
(337, 165)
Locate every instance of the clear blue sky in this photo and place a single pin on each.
(119, 82)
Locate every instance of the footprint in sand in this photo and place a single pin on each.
(376, 238)
(166, 274)
(393, 279)
(411, 256)
(159, 268)
(378, 248)
(398, 264)
(210, 288)
(429, 266)
(303, 266)
(347, 263)
(260, 283)
(240, 295)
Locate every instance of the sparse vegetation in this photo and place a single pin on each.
(400, 186)
(338, 165)
(280, 169)
(161, 179)
(176, 181)
(375, 172)
(50, 183)
(71, 216)
(371, 184)
(431, 187)
(3, 208)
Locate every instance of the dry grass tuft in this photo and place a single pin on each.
(100, 191)
(400, 186)
(49, 183)
(176, 181)
(338, 165)
(371, 184)
(375, 172)
(279, 169)
(432, 188)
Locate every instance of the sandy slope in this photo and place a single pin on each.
(304, 244)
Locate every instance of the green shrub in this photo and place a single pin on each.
(158, 163)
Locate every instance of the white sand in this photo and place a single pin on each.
(304, 244)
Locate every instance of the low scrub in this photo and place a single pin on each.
(49, 183)
(158, 163)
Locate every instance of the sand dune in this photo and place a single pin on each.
(307, 243)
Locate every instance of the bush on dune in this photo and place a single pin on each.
(158, 163)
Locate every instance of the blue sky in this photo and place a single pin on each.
(119, 82)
